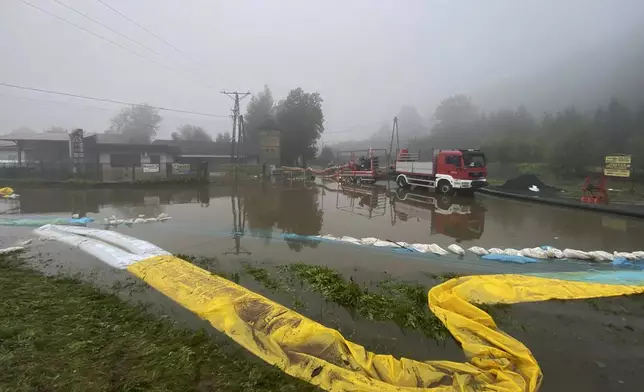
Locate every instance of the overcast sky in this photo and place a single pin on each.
(367, 58)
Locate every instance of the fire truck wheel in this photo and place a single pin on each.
(402, 181)
(444, 187)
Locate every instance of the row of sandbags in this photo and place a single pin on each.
(542, 252)
(114, 221)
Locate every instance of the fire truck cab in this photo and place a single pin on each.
(444, 171)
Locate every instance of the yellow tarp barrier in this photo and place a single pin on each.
(6, 191)
(310, 351)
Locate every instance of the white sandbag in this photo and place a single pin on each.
(139, 220)
(600, 255)
(11, 249)
(495, 251)
(329, 237)
(130, 244)
(535, 253)
(437, 250)
(383, 243)
(352, 240)
(511, 252)
(639, 254)
(576, 254)
(477, 250)
(456, 249)
(422, 248)
(24, 243)
(554, 253)
(625, 255)
(369, 240)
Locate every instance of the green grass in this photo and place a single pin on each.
(403, 303)
(60, 334)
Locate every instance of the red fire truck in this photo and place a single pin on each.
(444, 171)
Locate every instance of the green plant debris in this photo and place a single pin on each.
(400, 302)
(442, 277)
(263, 277)
(60, 334)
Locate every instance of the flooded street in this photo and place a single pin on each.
(240, 233)
(204, 220)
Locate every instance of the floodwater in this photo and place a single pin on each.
(205, 220)
(246, 223)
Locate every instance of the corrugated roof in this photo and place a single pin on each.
(58, 137)
(113, 138)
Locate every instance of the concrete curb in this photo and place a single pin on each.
(612, 209)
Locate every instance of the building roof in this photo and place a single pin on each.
(57, 137)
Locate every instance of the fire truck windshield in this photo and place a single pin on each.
(473, 159)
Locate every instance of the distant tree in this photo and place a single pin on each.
(139, 122)
(192, 133)
(258, 111)
(326, 155)
(55, 129)
(302, 121)
(458, 109)
(617, 128)
(223, 137)
(458, 123)
(572, 149)
(410, 122)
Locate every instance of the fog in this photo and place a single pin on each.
(366, 58)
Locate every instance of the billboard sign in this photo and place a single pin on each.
(180, 168)
(76, 149)
(150, 167)
(617, 165)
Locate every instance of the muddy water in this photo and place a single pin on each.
(245, 223)
(205, 220)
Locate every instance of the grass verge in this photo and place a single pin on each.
(60, 334)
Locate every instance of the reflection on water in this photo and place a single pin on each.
(264, 212)
(460, 218)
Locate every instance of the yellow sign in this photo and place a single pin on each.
(617, 165)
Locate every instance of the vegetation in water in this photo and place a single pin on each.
(403, 303)
(60, 334)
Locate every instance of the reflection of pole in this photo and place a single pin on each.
(239, 223)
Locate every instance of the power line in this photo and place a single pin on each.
(58, 102)
(153, 34)
(109, 100)
(94, 34)
(111, 29)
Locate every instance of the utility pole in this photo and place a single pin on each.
(394, 131)
(235, 96)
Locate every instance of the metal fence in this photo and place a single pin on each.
(55, 171)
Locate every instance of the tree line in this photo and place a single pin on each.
(298, 117)
(568, 141)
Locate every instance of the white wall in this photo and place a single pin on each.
(10, 154)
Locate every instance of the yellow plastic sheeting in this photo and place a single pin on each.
(6, 191)
(310, 351)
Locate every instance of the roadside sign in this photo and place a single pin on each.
(617, 165)
(150, 167)
(180, 168)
